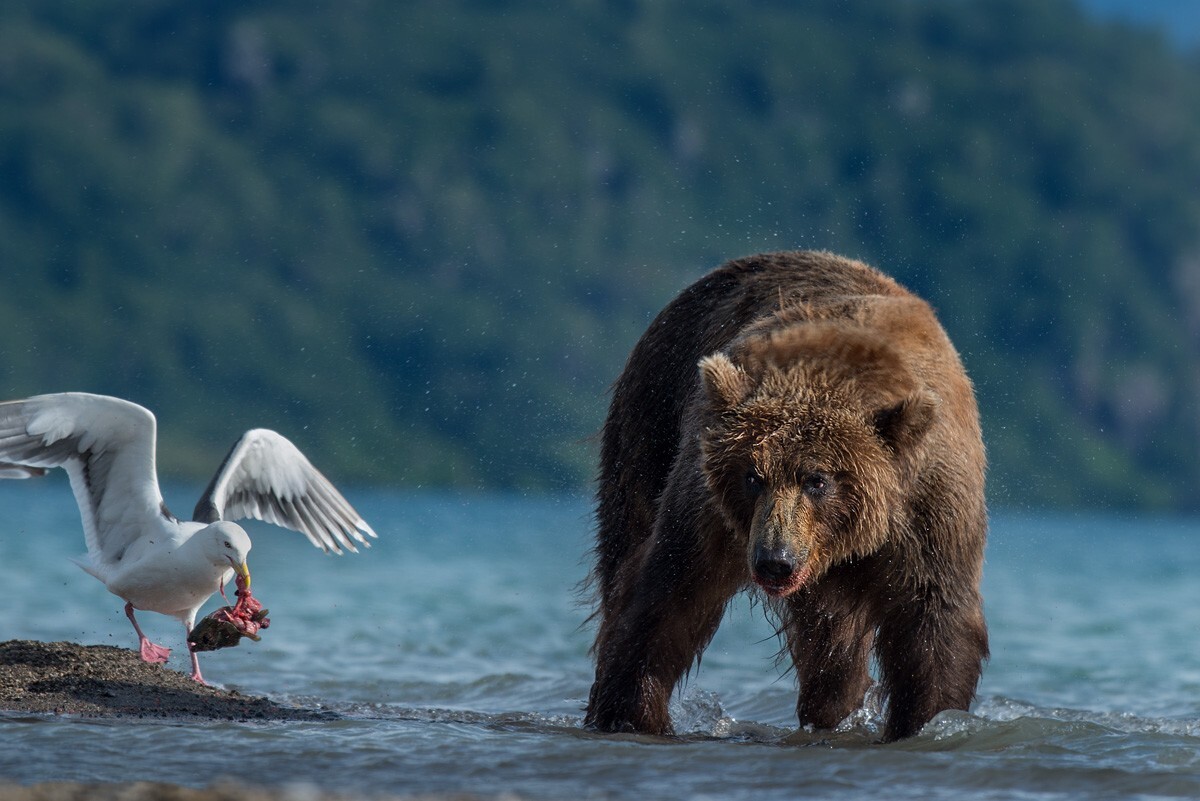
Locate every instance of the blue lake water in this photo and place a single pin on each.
(455, 652)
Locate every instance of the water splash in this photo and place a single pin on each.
(699, 712)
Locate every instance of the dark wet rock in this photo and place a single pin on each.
(103, 681)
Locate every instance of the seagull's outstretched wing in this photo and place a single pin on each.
(266, 477)
(20, 471)
(106, 445)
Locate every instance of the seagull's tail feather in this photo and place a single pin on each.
(88, 566)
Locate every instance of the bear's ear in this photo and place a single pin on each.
(727, 384)
(903, 425)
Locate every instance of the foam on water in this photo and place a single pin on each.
(455, 656)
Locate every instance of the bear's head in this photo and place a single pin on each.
(812, 435)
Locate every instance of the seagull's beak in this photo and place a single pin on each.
(243, 570)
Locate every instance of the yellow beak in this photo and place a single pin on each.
(243, 570)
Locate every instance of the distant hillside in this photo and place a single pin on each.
(420, 238)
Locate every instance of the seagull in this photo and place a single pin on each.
(135, 546)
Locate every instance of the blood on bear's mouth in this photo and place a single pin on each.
(780, 587)
(780, 568)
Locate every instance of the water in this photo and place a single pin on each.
(456, 654)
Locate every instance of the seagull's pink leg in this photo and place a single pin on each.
(196, 670)
(188, 625)
(150, 652)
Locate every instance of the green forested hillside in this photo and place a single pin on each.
(421, 237)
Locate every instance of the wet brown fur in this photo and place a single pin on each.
(789, 366)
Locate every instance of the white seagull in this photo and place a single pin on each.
(142, 552)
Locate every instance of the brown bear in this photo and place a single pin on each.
(800, 422)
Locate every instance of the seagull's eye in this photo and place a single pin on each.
(228, 544)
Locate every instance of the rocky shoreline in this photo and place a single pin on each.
(64, 678)
(102, 681)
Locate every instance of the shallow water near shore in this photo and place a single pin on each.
(455, 652)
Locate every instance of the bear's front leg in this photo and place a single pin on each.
(931, 652)
(667, 611)
(829, 636)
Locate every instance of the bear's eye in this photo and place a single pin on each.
(754, 483)
(815, 485)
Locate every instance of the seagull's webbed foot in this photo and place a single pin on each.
(155, 654)
(150, 652)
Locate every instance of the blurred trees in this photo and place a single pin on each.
(421, 237)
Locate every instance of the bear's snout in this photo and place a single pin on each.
(778, 570)
(773, 565)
